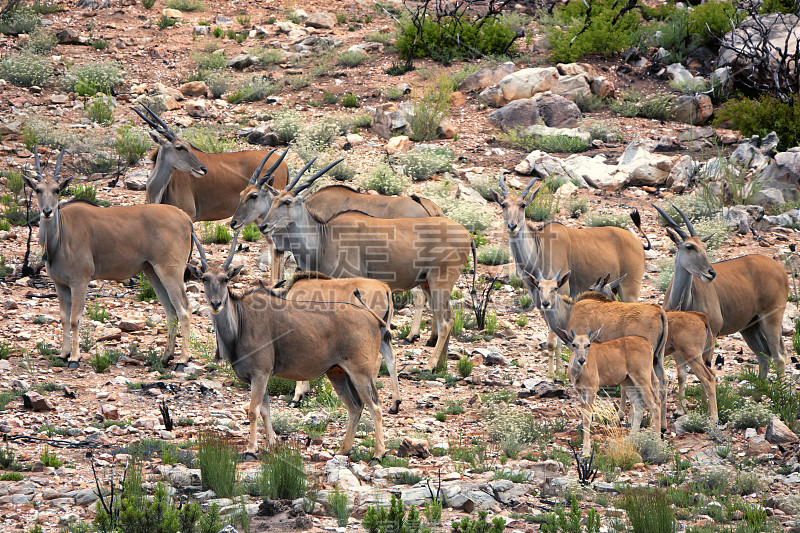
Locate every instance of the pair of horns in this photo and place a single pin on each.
(37, 163)
(525, 191)
(292, 185)
(674, 225)
(204, 260)
(254, 178)
(155, 122)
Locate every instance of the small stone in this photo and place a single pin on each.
(778, 433)
(196, 108)
(109, 412)
(322, 20)
(172, 13)
(414, 448)
(398, 145)
(194, 89)
(35, 401)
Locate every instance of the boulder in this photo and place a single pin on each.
(541, 164)
(486, 77)
(35, 401)
(172, 13)
(242, 61)
(492, 96)
(755, 152)
(261, 136)
(193, 89)
(196, 108)
(603, 87)
(366, 48)
(109, 412)
(769, 36)
(778, 433)
(680, 175)
(137, 180)
(558, 112)
(693, 109)
(528, 82)
(323, 20)
(399, 144)
(574, 87)
(679, 73)
(643, 166)
(540, 129)
(414, 448)
(769, 198)
(388, 121)
(784, 174)
(789, 503)
(515, 115)
(595, 168)
(70, 36)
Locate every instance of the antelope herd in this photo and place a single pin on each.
(354, 249)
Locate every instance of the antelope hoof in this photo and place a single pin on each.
(294, 403)
(249, 456)
(375, 461)
(432, 342)
(396, 409)
(180, 367)
(411, 340)
(73, 364)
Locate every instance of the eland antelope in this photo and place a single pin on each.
(403, 252)
(81, 242)
(747, 294)
(263, 335)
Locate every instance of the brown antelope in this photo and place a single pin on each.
(691, 342)
(403, 252)
(747, 294)
(206, 186)
(255, 199)
(316, 287)
(81, 242)
(589, 252)
(593, 310)
(263, 335)
(625, 361)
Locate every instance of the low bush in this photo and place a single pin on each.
(282, 473)
(188, 6)
(269, 56)
(604, 219)
(483, 185)
(652, 448)
(88, 79)
(751, 415)
(544, 207)
(18, 19)
(493, 255)
(648, 510)
(633, 104)
(710, 21)
(349, 100)
(251, 233)
(423, 163)
(131, 143)
(218, 83)
(26, 69)
(255, 88)
(746, 483)
(100, 111)
(577, 206)
(285, 422)
(215, 233)
(40, 42)
(545, 143)
(762, 116)
(379, 519)
(287, 125)
(208, 139)
(430, 110)
(338, 504)
(217, 458)
(50, 459)
(385, 180)
(712, 481)
(165, 22)
(146, 293)
(352, 59)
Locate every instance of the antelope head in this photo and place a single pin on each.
(175, 153)
(215, 278)
(47, 189)
(579, 344)
(692, 254)
(606, 288)
(287, 207)
(547, 289)
(255, 199)
(514, 207)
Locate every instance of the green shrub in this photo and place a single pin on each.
(216, 458)
(18, 19)
(378, 519)
(269, 56)
(40, 41)
(84, 192)
(100, 362)
(751, 415)
(783, 396)
(746, 482)
(341, 172)
(452, 39)
(577, 206)
(648, 510)
(189, 6)
(99, 44)
(338, 504)
(277, 386)
(430, 110)
(479, 525)
(285, 422)
(251, 233)
(50, 459)
(710, 21)
(352, 59)
(282, 473)
(148, 4)
(146, 293)
(563, 523)
(385, 181)
(217, 83)
(287, 125)
(544, 207)
(603, 219)
(349, 100)
(208, 139)
(131, 143)
(315, 137)
(546, 143)
(100, 111)
(87, 79)
(423, 163)
(571, 42)
(483, 185)
(393, 93)
(493, 255)
(762, 116)
(26, 69)
(712, 481)
(209, 61)
(380, 37)
(215, 233)
(633, 104)
(652, 449)
(255, 88)
(165, 22)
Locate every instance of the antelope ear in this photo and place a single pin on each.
(594, 335)
(677, 239)
(531, 278)
(497, 196)
(532, 197)
(564, 278)
(272, 190)
(157, 138)
(30, 182)
(194, 271)
(564, 336)
(234, 271)
(64, 184)
(707, 237)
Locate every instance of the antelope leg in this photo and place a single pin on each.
(259, 405)
(64, 305)
(76, 312)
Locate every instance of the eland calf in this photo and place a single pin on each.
(263, 335)
(81, 242)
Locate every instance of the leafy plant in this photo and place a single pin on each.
(146, 293)
(215, 233)
(479, 525)
(189, 6)
(216, 458)
(422, 163)
(385, 180)
(430, 110)
(282, 473)
(165, 22)
(148, 4)
(100, 111)
(50, 459)
(26, 69)
(560, 522)
(464, 366)
(352, 59)
(40, 41)
(378, 519)
(251, 233)
(648, 510)
(493, 255)
(338, 504)
(16, 19)
(603, 219)
(131, 143)
(87, 79)
(208, 139)
(349, 100)
(544, 207)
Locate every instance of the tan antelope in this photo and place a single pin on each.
(625, 361)
(206, 186)
(317, 287)
(81, 242)
(593, 311)
(589, 252)
(263, 335)
(691, 342)
(402, 252)
(747, 294)
(255, 200)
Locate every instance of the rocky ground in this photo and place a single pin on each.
(109, 412)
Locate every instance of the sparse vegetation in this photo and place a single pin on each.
(352, 59)
(88, 79)
(423, 163)
(188, 6)
(215, 233)
(430, 110)
(282, 474)
(648, 510)
(208, 139)
(216, 458)
(604, 219)
(100, 111)
(26, 69)
(493, 255)
(385, 180)
(131, 143)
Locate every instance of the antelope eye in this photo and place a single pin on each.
(253, 196)
(179, 147)
(689, 247)
(287, 202)
(503, 205)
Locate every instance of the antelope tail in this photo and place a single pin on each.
(419, 201)
(661, 343)
(637, 220)
(381, 322)
(474, 268)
